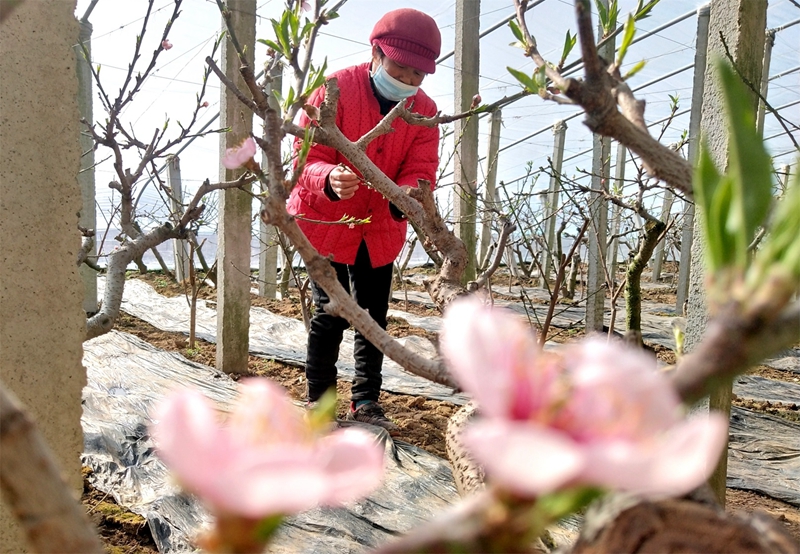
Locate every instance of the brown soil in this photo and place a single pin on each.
(422, 422)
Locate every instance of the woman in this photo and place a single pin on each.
(405, 45)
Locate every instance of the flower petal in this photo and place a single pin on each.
(353, 463)
(492, 354)
(524, 459)
(188, 437)
(671, 465)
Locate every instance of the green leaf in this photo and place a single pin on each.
(527, 82)
(720, 212)
(516, 30)
(613, 17)
(602, 14)
(749, 165)
(267, 526)
(540, 78)
(706, 183)
(563, 503)
(781, 246)
(294, 26)
(271, 44)
(627, 37)
(284, 37)
(643, 12)
(569, 44)
(635, 69)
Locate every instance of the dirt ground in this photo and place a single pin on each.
(422, 422)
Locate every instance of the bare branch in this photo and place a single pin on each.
(49, 515)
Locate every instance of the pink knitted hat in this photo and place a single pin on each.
(408, 37)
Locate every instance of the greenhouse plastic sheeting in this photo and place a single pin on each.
(126, 376)
(276, 337)
(764, 455)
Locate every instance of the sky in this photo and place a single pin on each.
(171, 90)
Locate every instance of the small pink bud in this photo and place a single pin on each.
(476, 101)
(204, 104)
(165, 44)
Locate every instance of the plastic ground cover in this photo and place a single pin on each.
(127, 376)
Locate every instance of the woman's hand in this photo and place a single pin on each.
(343, 182)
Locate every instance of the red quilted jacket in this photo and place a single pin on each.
(405, 155)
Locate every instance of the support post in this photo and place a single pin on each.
(268, 234)
(88, 216)
(465, 173)
(742, 23)
(42, 320)
(489, 194)
(598, 229)
(233, 250)
(551, 206)
(180, 248)
(698, 85)
(616, 212)
(658, 256)
(768, 44)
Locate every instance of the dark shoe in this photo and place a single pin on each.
(370, 412)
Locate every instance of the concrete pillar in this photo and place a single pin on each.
(42, 321)
(489, 193)
(769, 43)
(180, 248)
(742, 23)
(88, 217)
(268, 234)
(616, 212)
(698, 85)
(233, 248)
(465, 172)
(551, 206)
(658, 256)
(598, 229)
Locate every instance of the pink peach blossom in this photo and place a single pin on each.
(595, 414)
(165, 44)
(266, 460)
(239, 155)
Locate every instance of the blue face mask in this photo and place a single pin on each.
(390, 88)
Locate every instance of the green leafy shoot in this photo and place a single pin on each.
(527, 81)
(273, 45)
(642, 10)
(516, 30)
(781, 247)
(563, 503)
(267, 526)
(305, 148)
(749, 163)
(569, 43)
(316, 78)
(627, 37)
(324, 412)
(608, 16)
(735, 205)
(634, 70)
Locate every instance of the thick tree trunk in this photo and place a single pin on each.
(633, 285)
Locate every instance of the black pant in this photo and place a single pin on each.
(370, 288)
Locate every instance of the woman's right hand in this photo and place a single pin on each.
(343, 182)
